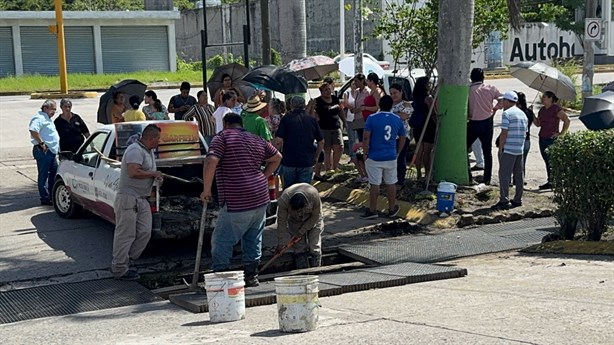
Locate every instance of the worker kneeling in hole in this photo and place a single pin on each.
(299, 213)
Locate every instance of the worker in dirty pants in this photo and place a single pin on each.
(299, 213)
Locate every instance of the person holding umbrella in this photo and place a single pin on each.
(548, 120)
(227, 86)
(119, 107)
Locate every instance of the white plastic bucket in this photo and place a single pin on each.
(446, 193)
(298, 306)
(225, 296)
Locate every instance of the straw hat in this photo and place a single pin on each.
(253, 104)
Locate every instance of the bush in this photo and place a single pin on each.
(275, 57)
(582, 166)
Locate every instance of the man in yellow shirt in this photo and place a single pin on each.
(134, 114)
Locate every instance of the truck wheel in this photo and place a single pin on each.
(63, 202)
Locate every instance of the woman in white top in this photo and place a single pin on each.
(403, 109)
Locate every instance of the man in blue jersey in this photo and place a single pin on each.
(381, 150)
(511, 147)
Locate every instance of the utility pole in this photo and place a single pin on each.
(358, 47)
(59, 30)
(453, 64)
(588, 66)
(266, 32)
(341, 35)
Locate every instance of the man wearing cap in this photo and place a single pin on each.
(511, 148)
(252, 121)
(182, 102)
(299, 212)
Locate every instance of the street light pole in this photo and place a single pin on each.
(358, 47)
(588, 65)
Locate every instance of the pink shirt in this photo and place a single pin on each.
(480, 100)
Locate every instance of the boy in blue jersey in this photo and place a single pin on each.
(381, 150)
(514, 125)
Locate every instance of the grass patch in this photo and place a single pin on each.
(81, 81)
(160, 280)
(572, 247)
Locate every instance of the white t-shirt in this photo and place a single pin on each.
(218, 115)
(349, 98)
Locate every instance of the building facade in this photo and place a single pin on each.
(96, 42)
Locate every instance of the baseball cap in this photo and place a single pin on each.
(510, 96)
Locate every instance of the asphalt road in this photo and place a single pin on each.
(35, 244)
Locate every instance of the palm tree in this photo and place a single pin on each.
(292, 20)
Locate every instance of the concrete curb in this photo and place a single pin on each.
(57, 95)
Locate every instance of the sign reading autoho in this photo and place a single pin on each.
(592, 29)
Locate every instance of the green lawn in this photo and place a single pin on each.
(77, 81)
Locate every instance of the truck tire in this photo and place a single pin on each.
(63, 202)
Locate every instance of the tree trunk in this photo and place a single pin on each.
(453, 64)
(292, 18)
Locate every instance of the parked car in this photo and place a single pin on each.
(89, 179)
(406, 79)
(383, 64)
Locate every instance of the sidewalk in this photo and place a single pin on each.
(506, 299)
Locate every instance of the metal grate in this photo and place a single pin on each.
(70, 298)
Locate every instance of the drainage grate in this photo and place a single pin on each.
(525, 224)
(428, 249)
(70, 298)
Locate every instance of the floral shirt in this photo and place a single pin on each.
(404, 107)
(273, 121)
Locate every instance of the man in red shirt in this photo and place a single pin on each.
(235, 158)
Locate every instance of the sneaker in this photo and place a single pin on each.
(131, 275)
(369, 215)
(477, 168)
(394, 211)
(516, 204)
(501, 206)
(46, 203)
(320, 178)
(545, 186)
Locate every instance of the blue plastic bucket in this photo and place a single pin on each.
(446, 193)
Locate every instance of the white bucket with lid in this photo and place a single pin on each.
(225, 296)
(298, 306)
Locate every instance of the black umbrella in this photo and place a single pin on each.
(598, 111)
(128, 88)
(278, 79)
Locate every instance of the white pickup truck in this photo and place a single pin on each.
(89, 178)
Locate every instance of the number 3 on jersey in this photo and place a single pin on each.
(388, 132)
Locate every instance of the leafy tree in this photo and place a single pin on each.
(412, 31)
(559, 12)
(86, 5)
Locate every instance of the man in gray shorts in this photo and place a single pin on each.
(330, 117)
(133, 218)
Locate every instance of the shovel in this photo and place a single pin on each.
(199, 249)
(294, 240)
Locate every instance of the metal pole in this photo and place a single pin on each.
(266, 32)
(204, 41)
(341, 35)
(59, 20)
(246, 35)
(588, 66)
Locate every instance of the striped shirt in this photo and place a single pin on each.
(241, 184)
(480, 100)
(516, 123)
(204, 116)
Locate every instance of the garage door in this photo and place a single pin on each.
(134, 48)
(40, 53)
(7, 61)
